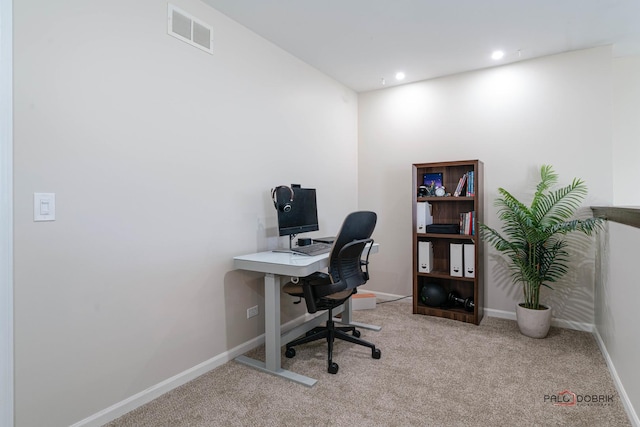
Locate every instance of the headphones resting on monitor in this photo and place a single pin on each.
(286, 207)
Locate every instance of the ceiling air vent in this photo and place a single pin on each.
(189, 29)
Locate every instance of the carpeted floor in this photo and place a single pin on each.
(433, 372)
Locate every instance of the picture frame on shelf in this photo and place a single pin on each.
(432, 181)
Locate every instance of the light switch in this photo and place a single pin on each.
(44, 206)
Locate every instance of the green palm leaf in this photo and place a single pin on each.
(531, 236)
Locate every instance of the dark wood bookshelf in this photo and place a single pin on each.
(447, 210)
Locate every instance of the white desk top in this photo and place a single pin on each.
(283, 263)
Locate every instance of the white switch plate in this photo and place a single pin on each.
(44, 206)
(252, 312)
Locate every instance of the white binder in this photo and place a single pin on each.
(425, 257)
(455, 259)
(469, 260)
(423, 216)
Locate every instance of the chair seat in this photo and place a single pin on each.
(317, 278)
(295, 289)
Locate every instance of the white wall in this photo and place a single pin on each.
(617, 295)
(626, 131)
(161, 157)
(617, 290)
(552, 110)
(6, 214)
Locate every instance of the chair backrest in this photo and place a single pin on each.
(345, 260)
(345, 263)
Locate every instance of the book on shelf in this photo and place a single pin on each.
(460, 186)
(471, 184)
(472, 221)
(467, 223)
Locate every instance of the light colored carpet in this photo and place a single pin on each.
(433, 372)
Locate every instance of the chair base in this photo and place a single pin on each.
(331, 332)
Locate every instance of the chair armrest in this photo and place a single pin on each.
(365, 262)
(354, 243)
(349, 246)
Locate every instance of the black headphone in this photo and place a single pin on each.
(286, 207)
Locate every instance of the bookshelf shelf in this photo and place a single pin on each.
(448, 210)
(445, 275)
(445, 199)
(448, 236)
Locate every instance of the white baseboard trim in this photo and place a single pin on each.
(570, 324)
(145, 396)
(155, 391)
(560, 323)
(628, 406)
(383, 296)
(500, 314)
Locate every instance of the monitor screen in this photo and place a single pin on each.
(303, 216)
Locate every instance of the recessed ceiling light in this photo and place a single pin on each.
(497, 54)
(399, 75)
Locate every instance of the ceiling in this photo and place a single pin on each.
(361, 42)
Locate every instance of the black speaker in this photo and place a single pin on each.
(444, 228)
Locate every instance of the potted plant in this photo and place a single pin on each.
(534, 242)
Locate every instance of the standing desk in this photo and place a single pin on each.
(275, 265)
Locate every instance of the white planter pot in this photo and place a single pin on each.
(533, 323)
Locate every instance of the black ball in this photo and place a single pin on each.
(433, 295)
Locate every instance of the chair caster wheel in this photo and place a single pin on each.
(376, 353)
(290, 352)
(333, 368)
(356, 333)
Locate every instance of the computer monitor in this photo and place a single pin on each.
(303, 215)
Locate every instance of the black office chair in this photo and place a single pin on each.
(323, 291)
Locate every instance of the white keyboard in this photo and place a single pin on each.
(313, 249)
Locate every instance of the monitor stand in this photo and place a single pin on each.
(290, 250)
